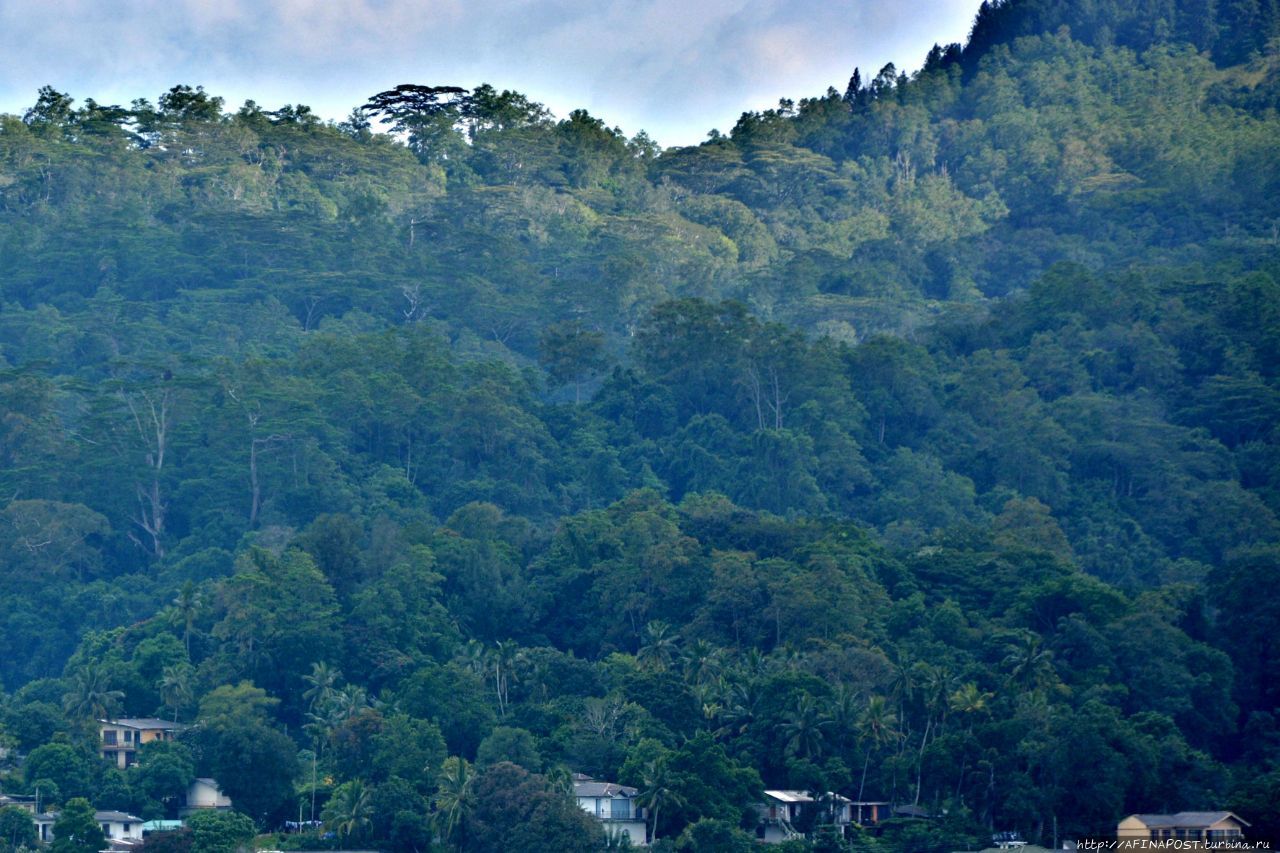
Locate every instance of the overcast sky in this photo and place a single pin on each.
(676, 68)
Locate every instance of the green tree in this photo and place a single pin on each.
(349, 810)
(69, 768)
(516, 809)
(17, 829)
(220, 832)
(75, 830)
(571, 353)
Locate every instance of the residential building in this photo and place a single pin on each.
(204, 794)
(787, 815)
(119, 825)
(1183, 826)
(116, 826)
(121, 739)
(614, 806)
(869, 813)
(26, 802)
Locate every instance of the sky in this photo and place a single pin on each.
(674, 68)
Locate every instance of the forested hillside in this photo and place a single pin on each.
(916, 441)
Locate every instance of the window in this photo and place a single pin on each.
(109, 737)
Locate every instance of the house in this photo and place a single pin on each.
(613, 805)
(1183, 826)
(119, 826)
(781, 811)
(26, 802)
(116, 826)
(122, 738)
(869, 813)
(203, 794)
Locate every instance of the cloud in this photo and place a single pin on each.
(675, 67)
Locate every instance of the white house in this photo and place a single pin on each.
(203, 794)
(781, 810)
(116, 826)
(614, 806)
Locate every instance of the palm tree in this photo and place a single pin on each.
(970, 701)
(702, 662)
(90, 696)
(185, 608)
(474, 657)
(1030, 664)
(658, 791)
(503, 658)
(323, 680)
(454, 797)
(349, 810)
(739, 709)
(844, 709)
(349, 701)
(660, 647)
(877, 726)
(804, 727)
(175, 687)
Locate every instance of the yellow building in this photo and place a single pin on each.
(1183, 826)
(121, 739)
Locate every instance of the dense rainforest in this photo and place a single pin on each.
(915, 442)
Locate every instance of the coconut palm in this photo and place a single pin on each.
(1029, 663)
(658, 792)
(503, 660)
(454, 798)
(660, 647)
(877, 727)
(739, 706)
(186, 607)
(324, 681)
(349, 810)
(702, 662)
(90, 694)
(175, 687)
(805, 728)
(969, 701)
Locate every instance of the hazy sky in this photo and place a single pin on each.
(676, 68)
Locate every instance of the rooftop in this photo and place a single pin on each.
(144, 723)
(587, 787)
(806, 797)
(1187, 820)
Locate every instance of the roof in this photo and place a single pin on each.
(1187, 820)
(592, 788)
(911, 811)
(115, 817)
(802, 797)
(155, 825)
(144, 723)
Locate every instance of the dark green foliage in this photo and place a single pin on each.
(219, 832)
(516, 809)
(922, 447)
(75, 830)
(17, 829)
